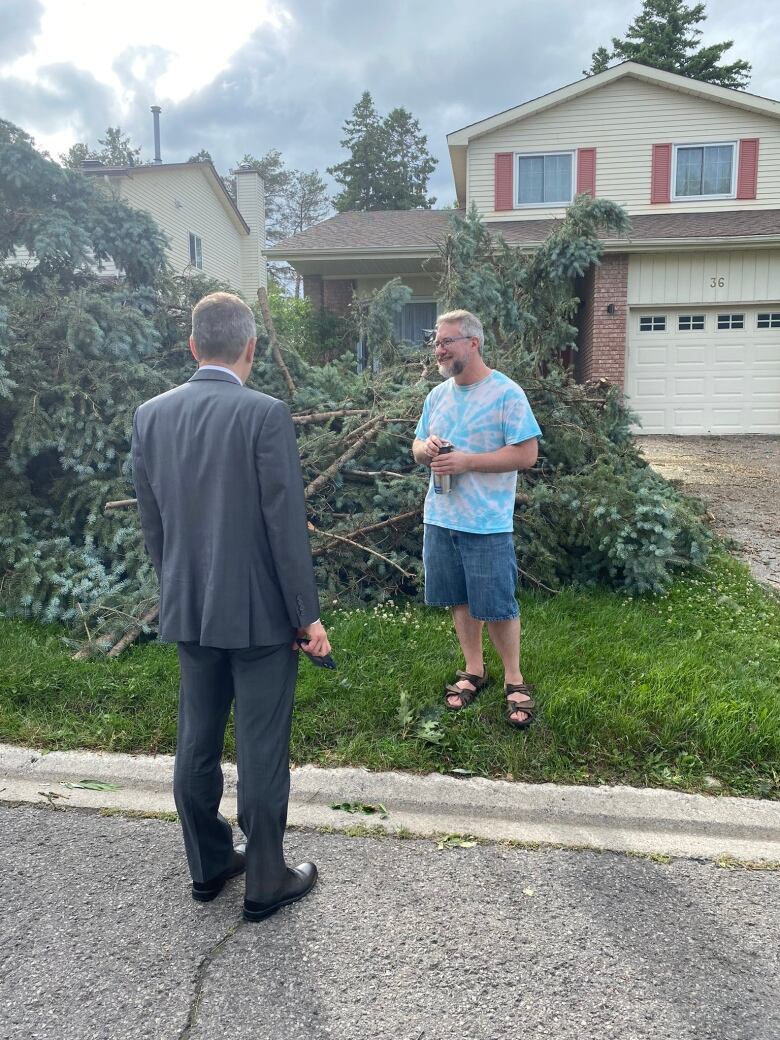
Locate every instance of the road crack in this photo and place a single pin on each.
(200, 977)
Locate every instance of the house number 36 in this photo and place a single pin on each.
(719, 282)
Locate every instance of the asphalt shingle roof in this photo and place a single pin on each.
(422, 228)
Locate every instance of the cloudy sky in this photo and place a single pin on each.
(249, 75)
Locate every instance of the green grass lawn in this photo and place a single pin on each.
(670, 690)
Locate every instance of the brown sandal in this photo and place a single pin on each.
(466, 696)
(512, 707)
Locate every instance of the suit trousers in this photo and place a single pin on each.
(261, 682)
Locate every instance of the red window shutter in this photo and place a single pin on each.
(661, 173)
(586, 171)
(504, 180)
(747, 175)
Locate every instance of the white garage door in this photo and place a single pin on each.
(705, 370)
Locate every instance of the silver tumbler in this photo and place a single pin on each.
(442, 482)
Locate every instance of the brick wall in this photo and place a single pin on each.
(602, 336)
(337, 294)
(312, 289)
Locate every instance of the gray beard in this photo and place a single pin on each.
(453, 369)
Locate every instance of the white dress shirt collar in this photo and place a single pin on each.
(220, 368)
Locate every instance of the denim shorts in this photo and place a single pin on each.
(478, 569)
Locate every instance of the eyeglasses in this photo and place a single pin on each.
(449, 341)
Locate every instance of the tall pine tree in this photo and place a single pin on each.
(362, 173)
(409, 165)
(665, 35)
(389, 164)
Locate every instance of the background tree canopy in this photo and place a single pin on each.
(79, 352)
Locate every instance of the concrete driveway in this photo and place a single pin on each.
(738, 479)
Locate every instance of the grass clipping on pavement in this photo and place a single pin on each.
(674, 690)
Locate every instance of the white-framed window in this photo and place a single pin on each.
(544, 178)
(704, 171)
(414, 320)
(652, 323)
(690, 323)
(768, 320)
(196, 251)
(731, 321)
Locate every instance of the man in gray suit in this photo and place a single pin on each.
(220, 496)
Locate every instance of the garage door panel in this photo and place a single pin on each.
(689, 387)
(690, 354)
(651, 387)
(651, 356)
(712, 381)
(730, 354)
(729, 386)
(767, 354)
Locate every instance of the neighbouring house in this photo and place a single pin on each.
(684, 313)
(207, 230)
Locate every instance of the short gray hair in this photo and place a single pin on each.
(222, 325)
(469, 324)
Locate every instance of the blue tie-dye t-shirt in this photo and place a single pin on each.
(482, 417)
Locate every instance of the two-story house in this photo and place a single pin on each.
(684, 313)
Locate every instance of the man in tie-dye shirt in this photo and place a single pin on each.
(468, 552)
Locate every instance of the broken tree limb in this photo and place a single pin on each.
(363, 548)
(130, 637)
(370, 428)
(315, 417)
(400, 518)
(265, 310)
(120, 503)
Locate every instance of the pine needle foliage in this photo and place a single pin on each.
(79, 352)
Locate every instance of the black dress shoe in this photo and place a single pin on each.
(300, 881)
(205, 891)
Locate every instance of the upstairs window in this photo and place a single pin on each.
(704, 171)
(196, 251)
(546, 179)
(769, 320)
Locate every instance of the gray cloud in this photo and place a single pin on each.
(63, 94)
(449, 64)
(21, 20)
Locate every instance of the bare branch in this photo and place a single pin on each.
(262, 296)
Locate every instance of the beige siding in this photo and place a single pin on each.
(422, 286)
(182, 202)
(747, 276)
(623, 120)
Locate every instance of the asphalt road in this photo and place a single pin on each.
(100, 940)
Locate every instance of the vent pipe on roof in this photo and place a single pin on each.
(156, 116)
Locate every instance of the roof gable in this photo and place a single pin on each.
(206, 168)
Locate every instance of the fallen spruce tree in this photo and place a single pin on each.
(79, 352)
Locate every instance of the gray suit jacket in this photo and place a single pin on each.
(220, 495)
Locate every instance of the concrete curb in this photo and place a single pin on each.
(621, 819)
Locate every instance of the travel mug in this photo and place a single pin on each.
(442, 482)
